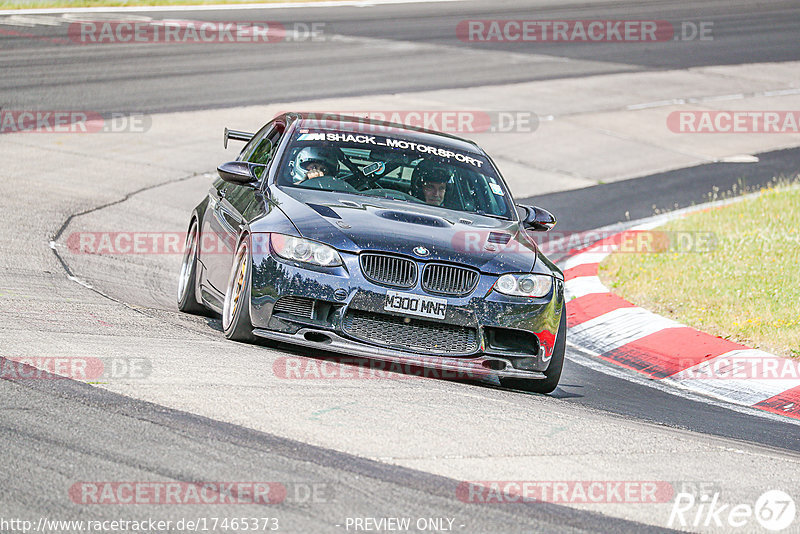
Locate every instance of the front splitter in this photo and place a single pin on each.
(470, 368)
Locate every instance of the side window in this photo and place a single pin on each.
(265, 149)
(262, 148)
(249, 148)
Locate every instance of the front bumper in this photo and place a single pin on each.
(478, 368)
(343, 289)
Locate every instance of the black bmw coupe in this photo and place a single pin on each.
(381, 241)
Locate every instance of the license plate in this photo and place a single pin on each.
(419, 305)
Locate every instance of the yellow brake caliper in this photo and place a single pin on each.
(239, 286)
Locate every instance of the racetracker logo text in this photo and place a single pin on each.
(192, 32)
(463, 121)
(581, 31)
(170, 493)
(74, 368)
(741, 365)
(344, 368)
(565, 491)
(72, 122)
(747, 122)
(630, 241)
(119, 243)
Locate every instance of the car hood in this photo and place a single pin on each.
(356, 223)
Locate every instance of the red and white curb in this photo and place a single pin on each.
(619, 332)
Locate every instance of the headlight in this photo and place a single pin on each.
(524, 285)
(305, 251)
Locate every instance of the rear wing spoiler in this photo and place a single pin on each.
(236, 136)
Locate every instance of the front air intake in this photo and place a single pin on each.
(443, 279)
(297, 306)
(389, 270)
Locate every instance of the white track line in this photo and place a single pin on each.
(710, 98)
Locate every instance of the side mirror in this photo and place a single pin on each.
(538, 219)
(238, 172)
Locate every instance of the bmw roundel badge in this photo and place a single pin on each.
(421, 251)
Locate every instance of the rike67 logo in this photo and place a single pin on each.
(774, 511)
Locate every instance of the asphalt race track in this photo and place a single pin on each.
(409, 48)
(213, 410)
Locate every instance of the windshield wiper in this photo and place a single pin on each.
(493, 216)
(386, 197)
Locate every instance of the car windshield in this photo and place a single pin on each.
(396, 168)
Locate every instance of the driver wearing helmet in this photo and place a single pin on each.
(314, 162)
(429, 182)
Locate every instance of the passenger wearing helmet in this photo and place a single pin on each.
(314, 162)
(429, 182)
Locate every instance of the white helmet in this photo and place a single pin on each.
(314, 154)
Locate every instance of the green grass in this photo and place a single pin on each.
(747, 289)
(35, 4)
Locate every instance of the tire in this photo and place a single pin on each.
(187, 281)
(236, 311)
(553, 372)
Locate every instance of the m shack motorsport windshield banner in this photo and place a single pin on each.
(388, 142)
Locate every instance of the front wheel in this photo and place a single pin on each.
(236, 310)
(553, 372)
